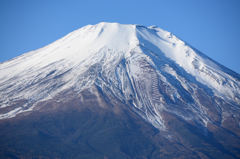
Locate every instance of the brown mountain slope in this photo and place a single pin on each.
(91, 125)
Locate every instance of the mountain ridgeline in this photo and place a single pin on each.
(118, 91)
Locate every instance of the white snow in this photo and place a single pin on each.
(150, 66)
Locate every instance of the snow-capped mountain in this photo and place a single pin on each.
(146, 68)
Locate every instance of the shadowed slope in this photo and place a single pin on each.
(90, 125)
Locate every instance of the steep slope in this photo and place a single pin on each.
(146, 70)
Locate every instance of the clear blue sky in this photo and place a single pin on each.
(211, 26)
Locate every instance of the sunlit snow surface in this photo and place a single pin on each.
(147, 68)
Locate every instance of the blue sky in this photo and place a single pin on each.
(211, 26)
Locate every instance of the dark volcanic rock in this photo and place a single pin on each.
(92, 126)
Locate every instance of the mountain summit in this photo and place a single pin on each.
(104, 87)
